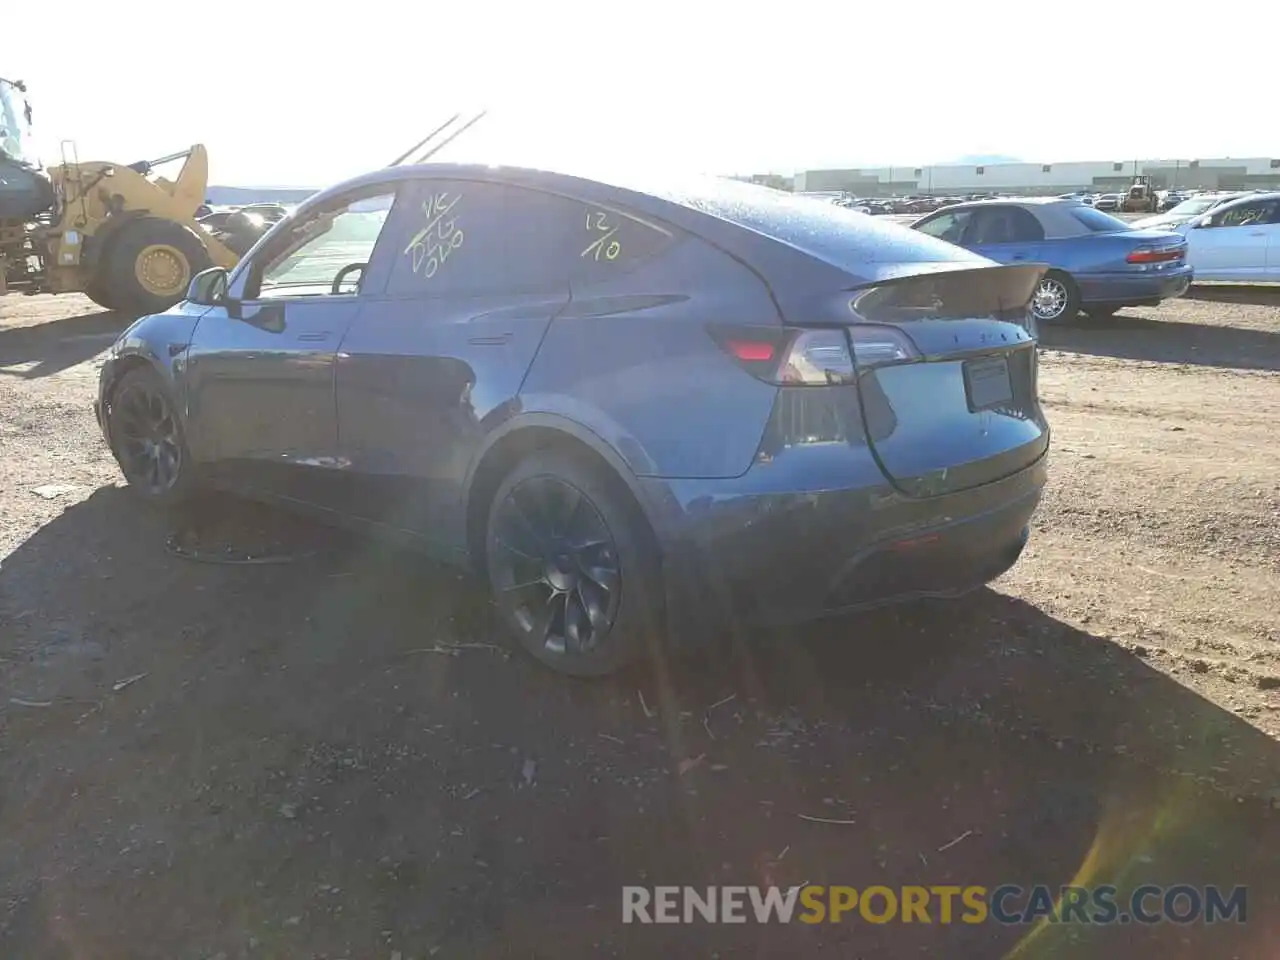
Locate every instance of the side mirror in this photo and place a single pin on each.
(208, 288)
(1203, 222)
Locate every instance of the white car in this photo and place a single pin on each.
(1187, 210)
(1236, 241)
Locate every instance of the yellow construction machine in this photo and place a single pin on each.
(121, 234)
(1141, 197)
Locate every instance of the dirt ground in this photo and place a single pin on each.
(333, 758)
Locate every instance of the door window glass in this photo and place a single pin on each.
(1243, 215)
(470, 238)
(312, 254)
(949, 226)
(1004, 225)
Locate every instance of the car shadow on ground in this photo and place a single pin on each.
(1130, 337)
(1262, 295)
(337, 757)
(44, 349)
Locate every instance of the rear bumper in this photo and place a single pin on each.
(738, 558)
(1128, 289)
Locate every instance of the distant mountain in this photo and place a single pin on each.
(233, 196)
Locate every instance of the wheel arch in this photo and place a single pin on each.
(120, 368)
(518, 439)
(124, 365)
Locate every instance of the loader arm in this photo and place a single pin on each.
(188, 190)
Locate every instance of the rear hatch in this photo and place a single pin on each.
(954, 404)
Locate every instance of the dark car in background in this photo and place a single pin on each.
(640, 410)
(1097, 262)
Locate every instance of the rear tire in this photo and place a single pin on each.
(1056, 299)
(572, 572)
(148, 440)
(148, 265)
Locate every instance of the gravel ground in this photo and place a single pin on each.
(335, 759)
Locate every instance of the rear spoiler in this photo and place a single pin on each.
(944, 290)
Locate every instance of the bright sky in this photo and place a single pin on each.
(337, 88)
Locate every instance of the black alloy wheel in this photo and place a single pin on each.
(561, 551)
(147, 438)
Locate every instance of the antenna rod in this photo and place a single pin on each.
(423, 142)
(449, 139)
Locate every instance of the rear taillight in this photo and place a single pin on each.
(1156, 254)
(876, 344)
(816, 357)
(813, 356)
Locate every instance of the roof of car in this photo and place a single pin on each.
(1055, 214)
(1246, 197)
(748, 220)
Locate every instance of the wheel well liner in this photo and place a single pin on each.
(125, 365)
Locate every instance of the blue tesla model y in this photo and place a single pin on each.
(637, 409)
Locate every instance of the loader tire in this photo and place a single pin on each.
(100, 293)
(149, 265)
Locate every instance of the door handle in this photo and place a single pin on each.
(317, 337)
(1019, 256)
(1259, 233)
(494, 341)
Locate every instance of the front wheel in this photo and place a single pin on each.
(147, 439)
(1055, 299)
(572, 574)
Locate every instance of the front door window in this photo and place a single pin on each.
(327, 253)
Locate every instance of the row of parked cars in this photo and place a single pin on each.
(879, 206)
(1166, 200)
(240, 227)
(1100, 264)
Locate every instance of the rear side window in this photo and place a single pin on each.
(469, 238)
(1095, 221)
(611, 241)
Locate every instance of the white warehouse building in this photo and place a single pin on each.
(1045, 178)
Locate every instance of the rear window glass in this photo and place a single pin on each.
(1097, 221)
(839, 236)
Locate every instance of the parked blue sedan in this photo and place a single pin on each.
(1098, 263)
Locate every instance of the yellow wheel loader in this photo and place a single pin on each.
(120, 234)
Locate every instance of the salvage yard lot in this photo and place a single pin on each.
(333, 758)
